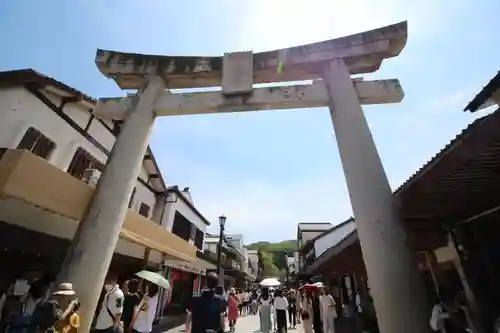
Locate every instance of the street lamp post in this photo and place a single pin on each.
(222, 222)
(287, 269)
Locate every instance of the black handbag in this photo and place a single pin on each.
(305, 315)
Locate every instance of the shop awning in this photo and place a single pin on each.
(198, 266)
(335, 249)
(135, 238)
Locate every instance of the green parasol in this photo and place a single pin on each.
(155, 278)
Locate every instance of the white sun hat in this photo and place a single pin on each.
(64, 288)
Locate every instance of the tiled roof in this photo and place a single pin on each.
(485, 94)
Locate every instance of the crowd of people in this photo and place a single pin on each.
(279, 309)
(33, 304)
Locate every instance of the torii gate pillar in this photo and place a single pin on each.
(393, 276)
(88, 258)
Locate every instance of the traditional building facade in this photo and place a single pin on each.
(236, 267)
(52, 152)
(306, 232)
(450, 209)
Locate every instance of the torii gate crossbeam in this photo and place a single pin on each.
(392, 273)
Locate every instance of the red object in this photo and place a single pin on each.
(308, 287)
(232, 308)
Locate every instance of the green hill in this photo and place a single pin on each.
(272, 256)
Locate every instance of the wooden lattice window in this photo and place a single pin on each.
(37, 143)
(198, 240)
(83, 160)
(144, 210)
(181, 227)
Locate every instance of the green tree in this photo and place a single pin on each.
(272, 256)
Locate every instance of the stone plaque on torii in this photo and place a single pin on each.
(394, 279)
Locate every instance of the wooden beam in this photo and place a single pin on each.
(269, 98)
(153, 176)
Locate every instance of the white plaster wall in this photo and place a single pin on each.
(333, 238)
(143, 195)
(175, 204)
(244, 262)
(210, 246)
(19, 110)
(236, 240)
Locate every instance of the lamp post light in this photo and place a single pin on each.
(222, 222)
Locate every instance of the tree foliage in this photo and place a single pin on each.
(272, 257)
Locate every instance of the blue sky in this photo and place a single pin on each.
(268, 170)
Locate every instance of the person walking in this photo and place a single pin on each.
(131, 300)
(254, 306)
(292, 309)
(207, 308)
(265, 306)
(232, 309)
(328, 311)
(298, 302)
(110, 306)
(219, 291)
(306, 312)
(145, 312)
(246, 297)
(317, 325)
(280, 307)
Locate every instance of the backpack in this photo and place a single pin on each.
(45, 315)
(206, 312)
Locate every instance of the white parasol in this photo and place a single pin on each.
(270, 282)
(155, 278)
(319, 284)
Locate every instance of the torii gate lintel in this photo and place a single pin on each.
(258, 99)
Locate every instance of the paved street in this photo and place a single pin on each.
(246, 324)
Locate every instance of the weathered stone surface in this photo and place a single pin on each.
(271, 98)
(362, 53)
(237, 73)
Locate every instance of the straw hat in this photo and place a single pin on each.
(65, 288)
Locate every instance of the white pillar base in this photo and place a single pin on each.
(398, 293)
(88, 258)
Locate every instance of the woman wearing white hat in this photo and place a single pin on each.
(59, 312)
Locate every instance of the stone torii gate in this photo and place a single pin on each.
(393, 276)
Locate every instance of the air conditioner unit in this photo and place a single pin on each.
(91, 177)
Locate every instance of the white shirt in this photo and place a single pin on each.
(246, 297)
(146, 314)
(21, 287)
(327, 303)
(280, 303)
(114, 301)
(358, 303)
